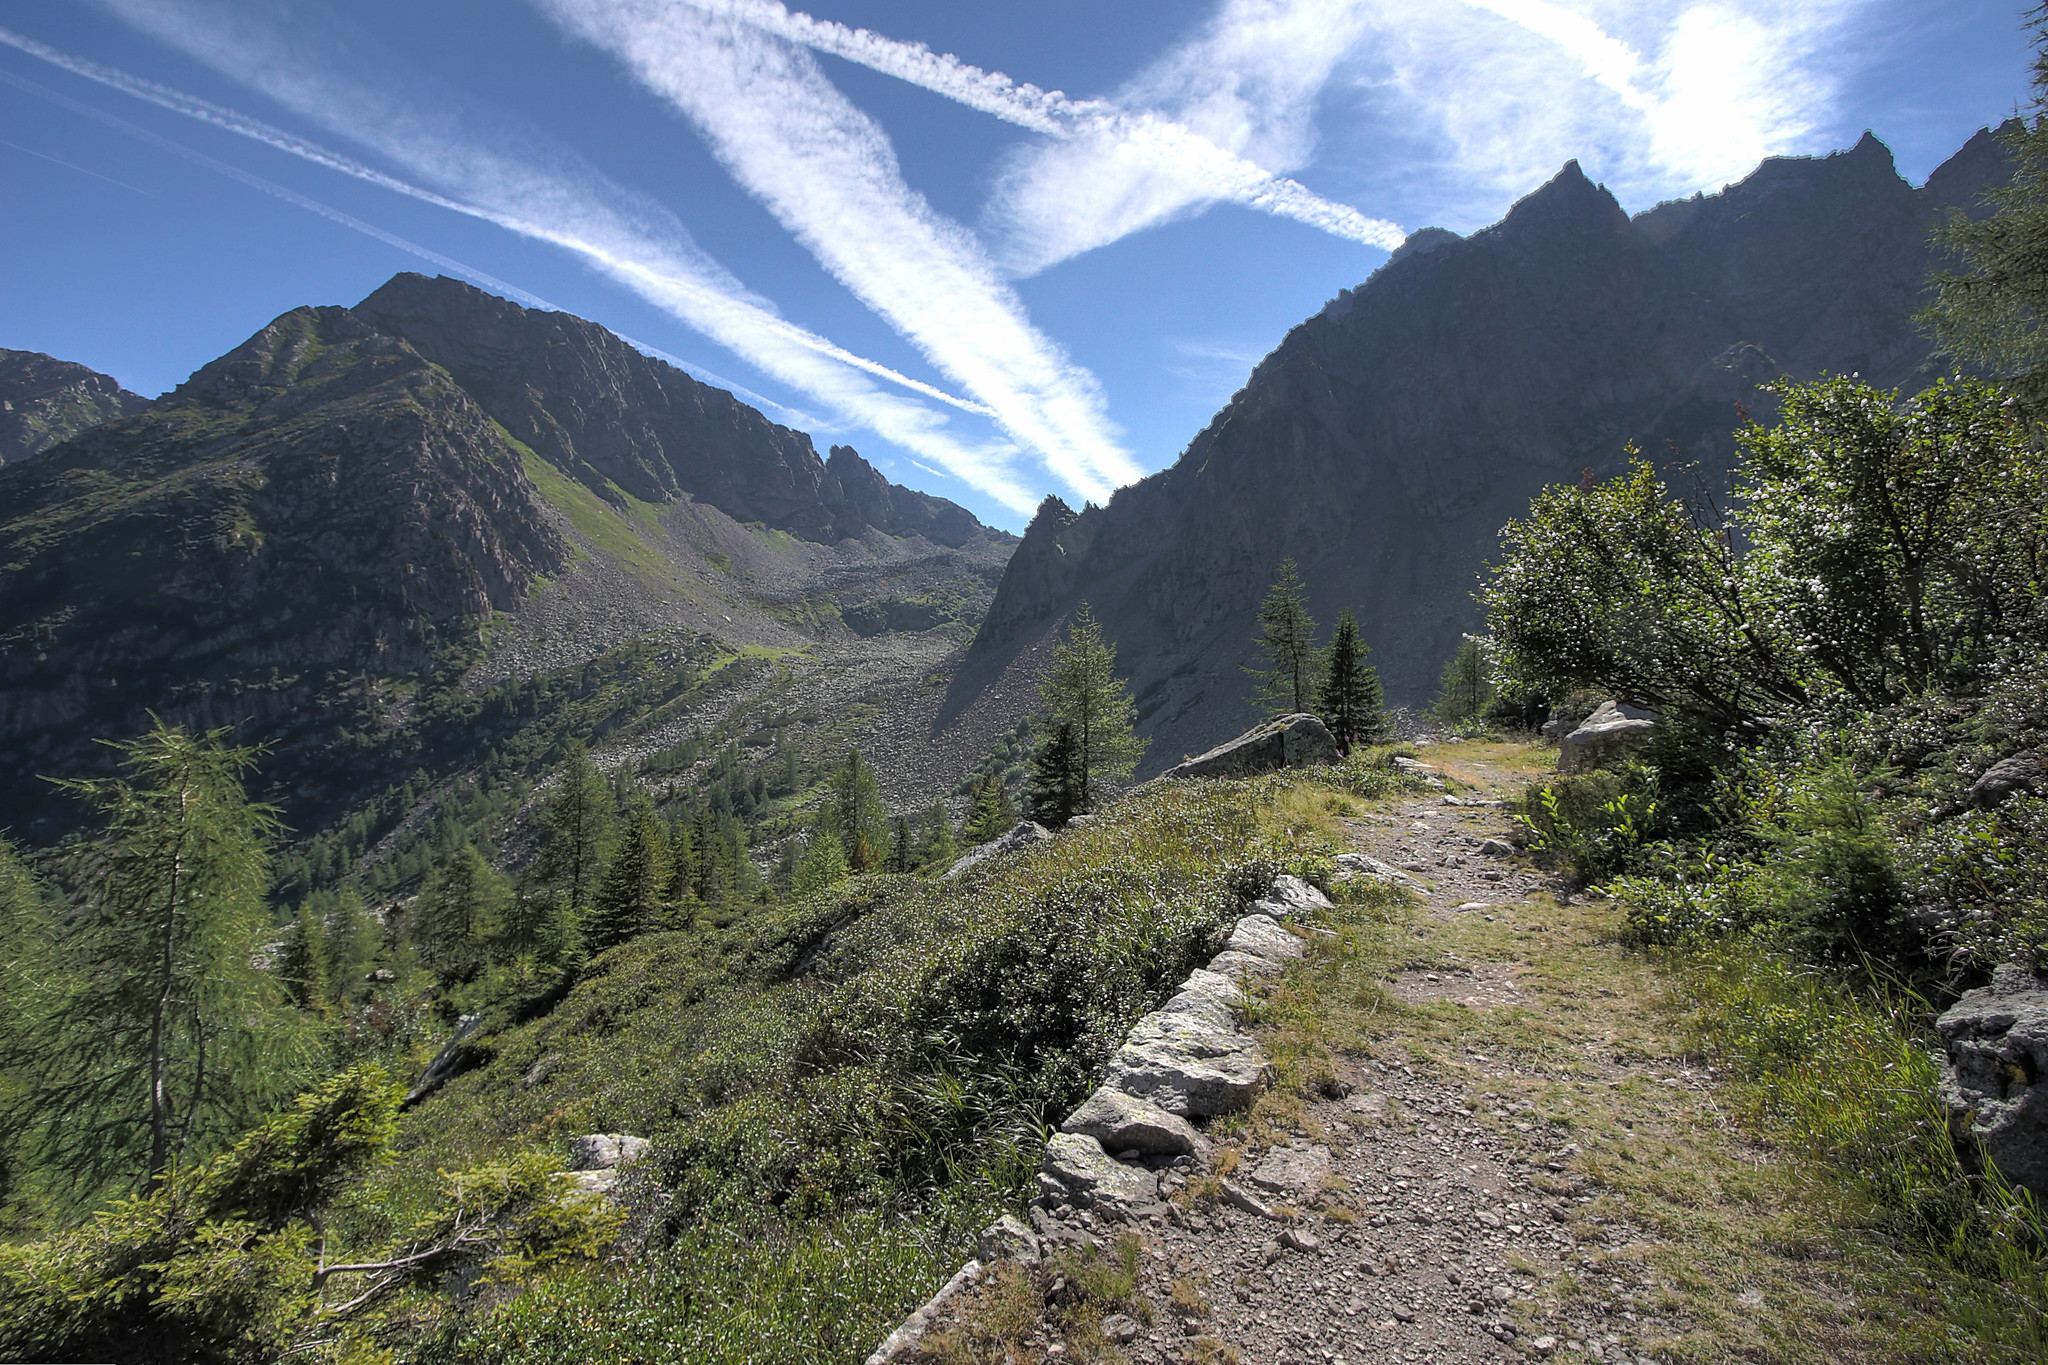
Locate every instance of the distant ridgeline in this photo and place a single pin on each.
(416, 508)
(1387, 439)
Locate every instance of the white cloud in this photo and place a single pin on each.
(829, 175)
(543, 193)
(1139, 137)
(1241, 92)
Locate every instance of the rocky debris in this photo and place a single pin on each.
(1294, 741)
(1414, 767)
(1614, 730)
(606, 1151)
(2022, 772)
(1124, 1123)
(1121, 1328)
(1022, 835)
(1360, 866)
(1293, 1172)
(1996, 1044)
(1497, 848)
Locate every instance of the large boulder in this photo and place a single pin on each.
(1996, 1040)
(1295, 741)
(1187, 1065)
(2021, 773)
(1022, 835)
(1610, 734)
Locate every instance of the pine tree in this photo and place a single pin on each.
(459, 911)
(1351, 700)
(854, 812)
(1287, 640)
(630, 899)
(938, 848)
(1084, 691)
(992, 815)
(168, 1038)
(578, 818)
(1055, 794)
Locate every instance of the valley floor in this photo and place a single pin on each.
(1491, 1139)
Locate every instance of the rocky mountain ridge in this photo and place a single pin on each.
(1386, 440)
(44, 400)
(435, 488)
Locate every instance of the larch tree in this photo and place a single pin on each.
(993, 815)
(460, 910)
(1287, 676)
(1083, 690)
(854, 812)
(169, 1036)
(578, 817)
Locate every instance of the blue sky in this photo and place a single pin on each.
(1036, 265)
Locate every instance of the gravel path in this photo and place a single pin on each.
(1416, 1217)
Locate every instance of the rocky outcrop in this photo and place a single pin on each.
(1023, 834)
(1613, 732)
(2020, 773)
(1295, 741)
(1995, 1041)
(1385, 441)
(45, 401)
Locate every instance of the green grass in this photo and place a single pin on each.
(617, 534)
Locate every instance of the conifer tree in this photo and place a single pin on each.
(1287, 678)
(902, 857)
(1084, 691)
(822, 865)
(992, 815)
(1351, 700)
(1464, 691)
(351, 940)
(168, 1037)
(460, 909)
(938, 848)
(578, 817)
(302, 961)
(1057, 782)
(854, 812)
(630, 898)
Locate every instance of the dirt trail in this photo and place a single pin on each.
(1515, 1159)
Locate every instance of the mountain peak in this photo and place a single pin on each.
(44, 400)
(1567, 205)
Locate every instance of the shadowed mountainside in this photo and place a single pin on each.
(1388, 438)
(435, 492)
(44, 400)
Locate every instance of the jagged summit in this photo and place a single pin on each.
(1387, 439)
(44, 400)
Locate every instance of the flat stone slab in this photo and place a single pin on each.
(1262, 936)
(1187, 1066)
(1123, 1123)
(1293, 1171)
(1240, 966)
(1352, 866)
(1093, 1176)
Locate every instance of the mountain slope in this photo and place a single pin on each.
(1387, 439)
(44, 400)
(334, 534)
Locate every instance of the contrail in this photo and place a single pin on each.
(229, 120)
(1054, 114)
(829, 174)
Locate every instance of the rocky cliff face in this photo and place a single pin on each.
(1388, 438)
(435, 484)
(44, 400)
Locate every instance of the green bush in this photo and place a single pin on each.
(1592, 824)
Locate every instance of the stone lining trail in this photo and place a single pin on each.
(1408, 1219)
